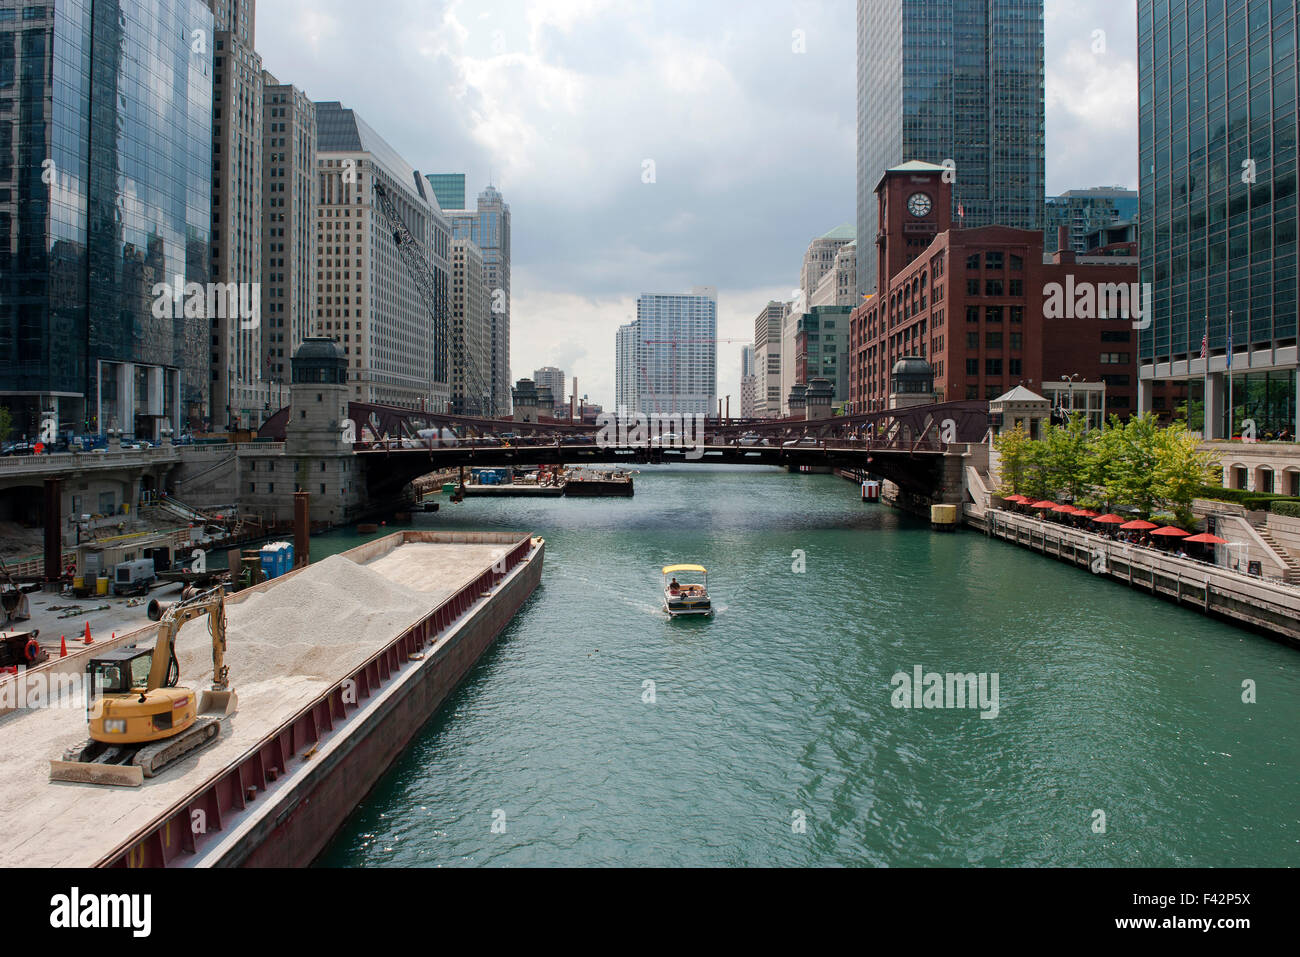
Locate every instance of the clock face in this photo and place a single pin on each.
(918, 204)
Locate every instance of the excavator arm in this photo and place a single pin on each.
(211, 603)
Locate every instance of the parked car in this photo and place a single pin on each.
(753, 438)
(20, 448)
(807, 442)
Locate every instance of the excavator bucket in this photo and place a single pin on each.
(219, 703)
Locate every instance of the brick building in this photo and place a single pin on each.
(980, 305)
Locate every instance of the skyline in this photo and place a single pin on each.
(593, 89)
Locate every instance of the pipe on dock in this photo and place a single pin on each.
(301, 529)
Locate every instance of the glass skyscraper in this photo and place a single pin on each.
(958, 80)
(1217, 210)
(449, 188)
(105, 176)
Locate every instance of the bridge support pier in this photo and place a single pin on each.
(53, 530)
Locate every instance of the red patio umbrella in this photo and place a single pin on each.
(1064, 508)
(1137, 525)
(1086, 513)
(1111, 519)
(1171, 532)
(1205, 538)
(1043, 504)
(1018, 499)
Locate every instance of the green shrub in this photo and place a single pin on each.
(1289, 509)
(1255, 501)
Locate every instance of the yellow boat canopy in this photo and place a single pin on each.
(673, 569)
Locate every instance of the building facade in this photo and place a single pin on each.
(748, 382)
(819, 259)
(471, 332)
(488, 227)
(449, 188)
(821, 349)
(1085, 211)
(987, 312)
(666, 361)
(549, 377)
(958, 80)
(767, 361)
(839, 287)
(1217, 136)
(240, 387)
(289, 184)
(103, 208)
(366, 297)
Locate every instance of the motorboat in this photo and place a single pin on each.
(687, 597)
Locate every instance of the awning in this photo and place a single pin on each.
(674, 569)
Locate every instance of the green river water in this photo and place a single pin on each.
(769, 735)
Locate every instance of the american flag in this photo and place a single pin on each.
(1205, 343)
(961, 210)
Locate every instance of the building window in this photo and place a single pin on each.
(973, 261)
(993, 367)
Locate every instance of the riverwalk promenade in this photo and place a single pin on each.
(1272, 607)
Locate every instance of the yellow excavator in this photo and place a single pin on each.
(140, 722)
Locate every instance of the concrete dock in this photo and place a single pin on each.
(336, 665)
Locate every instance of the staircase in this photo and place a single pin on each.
(1292, 573)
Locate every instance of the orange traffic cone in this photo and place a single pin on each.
(89, 640)
(63, 646)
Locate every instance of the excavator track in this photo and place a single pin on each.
(153, 758)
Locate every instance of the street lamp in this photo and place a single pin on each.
(1070, 381)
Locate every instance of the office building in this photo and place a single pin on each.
(767, 361)
(549, 377)
(449, 188)
(488, 227)
(748, 382)
(1084, 211)
(240, 380)
(987, 312)
(367, 298)
(289, 185)
(471, 331)
(666, 359)
(1217, 133)
(103, 205)
(958, 80)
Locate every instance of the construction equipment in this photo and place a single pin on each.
(21, 648)
(139, 721)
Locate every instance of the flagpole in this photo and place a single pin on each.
(1205, 389)
(1232, 409)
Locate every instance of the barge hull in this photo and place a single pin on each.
(302, 822)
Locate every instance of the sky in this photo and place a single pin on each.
(649, 146)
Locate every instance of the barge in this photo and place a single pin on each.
(592, 482)
(333, 683)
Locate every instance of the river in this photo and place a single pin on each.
(599, 732)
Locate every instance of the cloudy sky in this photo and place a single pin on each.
(561, 103)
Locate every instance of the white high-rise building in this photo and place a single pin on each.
(366, 297)
(748, 382)
(471, 332)
(667, 359)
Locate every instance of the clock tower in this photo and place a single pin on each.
(914, 206)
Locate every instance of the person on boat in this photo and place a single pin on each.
(674, 588)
